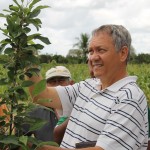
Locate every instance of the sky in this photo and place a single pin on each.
(65, 20)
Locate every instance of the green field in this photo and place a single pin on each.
(80, 72)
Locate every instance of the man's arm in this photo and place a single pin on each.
(58, 148)
(59, 131)
(48, 93)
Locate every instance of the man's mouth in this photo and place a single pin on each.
(97, 65)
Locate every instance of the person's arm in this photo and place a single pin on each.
(48, 93)
(59, 131)
(46, 147)
(2, 108)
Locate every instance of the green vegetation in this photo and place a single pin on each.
(142, 71)
(75, 57)
(82, 44)
(19, 51)
(80, 72)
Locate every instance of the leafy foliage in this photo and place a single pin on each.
(80, 72)
(20, 49)
(143, 58)
(82, 44)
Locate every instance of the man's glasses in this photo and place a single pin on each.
(58, 80)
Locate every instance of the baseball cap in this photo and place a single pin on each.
(58, 71)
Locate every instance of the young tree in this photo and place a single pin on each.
(19, 48)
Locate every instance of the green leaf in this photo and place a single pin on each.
(18, 20)
(19, 90)
(6, 41)
(39, 37)
(26, 10)
(26, 30)
(2, 123)
(4, 30)
(27, 83)
(5, 111)
(38, 46)
(35, 13)
(3, 61)
(23, 139)
(36, 22)
(31, 42)
(10, 140)
(12, 28)
(39, 123)
(39, 87)
(32, 48)
(44, 39)
(11, 74)
(2, 47)
(41, 7)
(21, 77)
(3, 81)
(31, 58)
(14, 8)
(7, 10)
(33, 36)
(33, 3)
(22, 39)
(2, 15)
(17, 3)
(8, 51)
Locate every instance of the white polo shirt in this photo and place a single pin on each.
(116, 117)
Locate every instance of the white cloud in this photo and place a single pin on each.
(67, 19)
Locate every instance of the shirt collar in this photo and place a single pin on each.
(119, 84)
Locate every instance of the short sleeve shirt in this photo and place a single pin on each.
(116, 117)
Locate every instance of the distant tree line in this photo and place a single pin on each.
(71, 59)
(79, 59)
(46, 58)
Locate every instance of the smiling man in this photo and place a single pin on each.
(112, 109)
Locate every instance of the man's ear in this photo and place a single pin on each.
(124, 53)
(71, 82)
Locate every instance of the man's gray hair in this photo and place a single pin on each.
(120, 35)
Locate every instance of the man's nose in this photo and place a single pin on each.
(57, 82)
(94, 56)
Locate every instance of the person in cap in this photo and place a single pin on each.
(59, 75)
(55, 76)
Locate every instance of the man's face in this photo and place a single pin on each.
(55, 81)
(104, 60)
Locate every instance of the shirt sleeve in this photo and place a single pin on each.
(67, 95)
